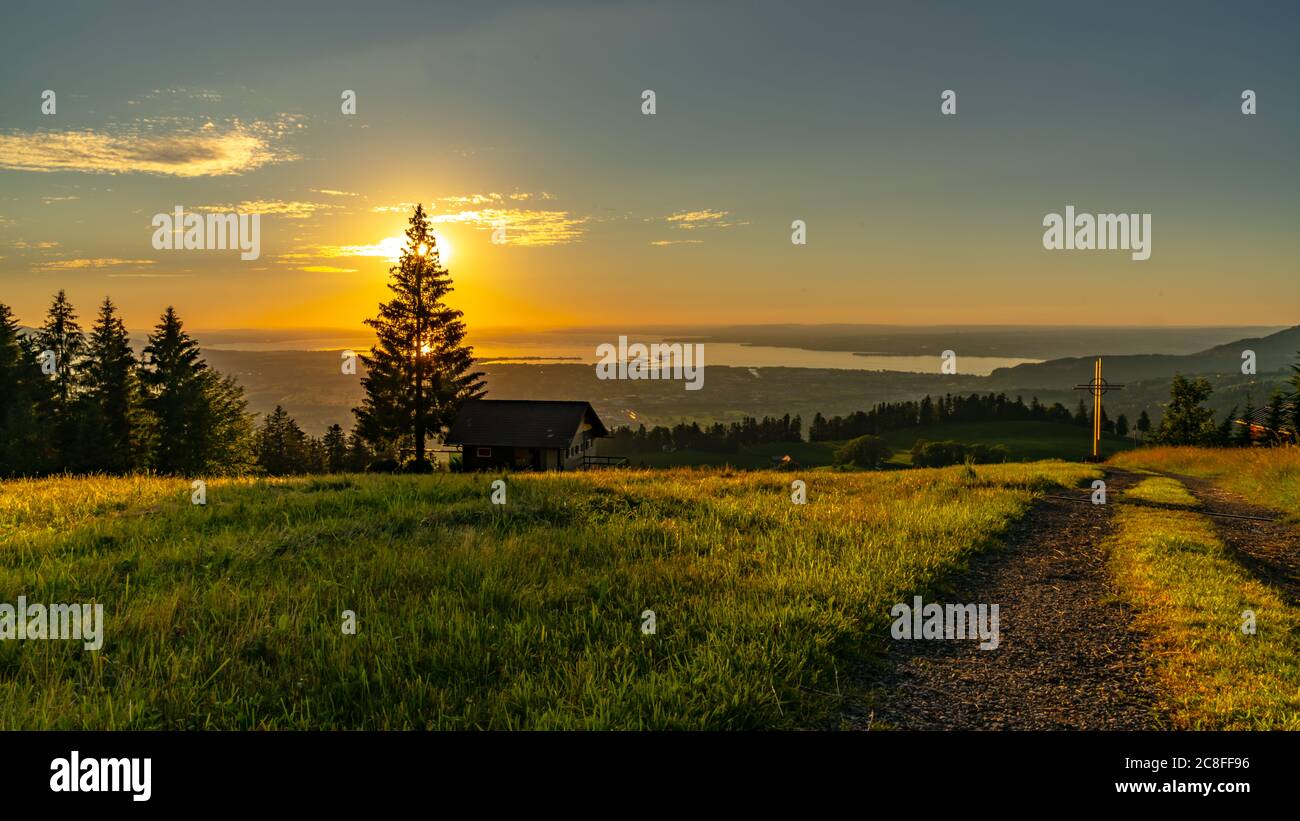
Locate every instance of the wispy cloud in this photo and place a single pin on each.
(333, 192)
(153, 276)
(705, 218)
(292, 209)
(49, 200)
(102, 262)
(522, 226)
(34, 246)
(166, 147)
(678, 242)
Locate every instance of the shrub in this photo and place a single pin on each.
(864, 452)
(382, 466)
(942, 454)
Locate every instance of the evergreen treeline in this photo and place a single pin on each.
(948, 408)
(715, 438)
(81, 402)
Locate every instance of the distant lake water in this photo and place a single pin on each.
(580, 348)
(548, 350)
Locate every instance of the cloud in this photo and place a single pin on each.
(530, 227)
(678, 242)
(157, 276)
(34, 246)
(705, 218)
(523, 227)
(327, 269)
(400, 208)
(333, 192)
(462, 200)
(164, 147)
(48, 200)
(103, 262)
(294, 209)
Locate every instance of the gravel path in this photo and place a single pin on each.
(1068, 656)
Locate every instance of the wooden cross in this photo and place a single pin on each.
(1097, 387)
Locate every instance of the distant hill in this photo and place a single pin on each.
(1273, 353)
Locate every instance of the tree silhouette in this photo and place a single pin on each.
(26, 445)
(418, 372)
(107, 425)
(62, 337)
(174, 395)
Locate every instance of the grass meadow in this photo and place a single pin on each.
(474, 615)
(1190, 595)
(1264, 476)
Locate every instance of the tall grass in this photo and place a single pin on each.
(474, 615)
(1190, 596)
(1264, 476)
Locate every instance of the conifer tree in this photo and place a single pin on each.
(106, 436)
(336, 449)
(419, 370)
(26, 439)
(281, 444)
(174, 398)
(61, 338)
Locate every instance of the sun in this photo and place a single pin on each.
(390, 248)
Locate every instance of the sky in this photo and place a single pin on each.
(529, 116)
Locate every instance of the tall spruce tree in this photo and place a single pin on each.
(174, 398)
(281, 444)
(419, 370)
(62, 343)
(106, 437)
(26, 440)
(336, 449)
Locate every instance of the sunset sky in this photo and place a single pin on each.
(768, 113)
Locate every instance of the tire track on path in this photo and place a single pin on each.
(1068, 657)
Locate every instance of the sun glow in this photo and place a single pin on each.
(390, 248)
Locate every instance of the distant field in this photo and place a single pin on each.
(472, 615)
(1264, 476)
(1027, 441)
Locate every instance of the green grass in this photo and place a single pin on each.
(749, 457)
(1162, 490)
(479, 616)
(1027, 442)
(1189, 595)
(1264, 476)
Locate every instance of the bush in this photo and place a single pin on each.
(942, 454)
(421, 466)
(382, 466)
(864, 452)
